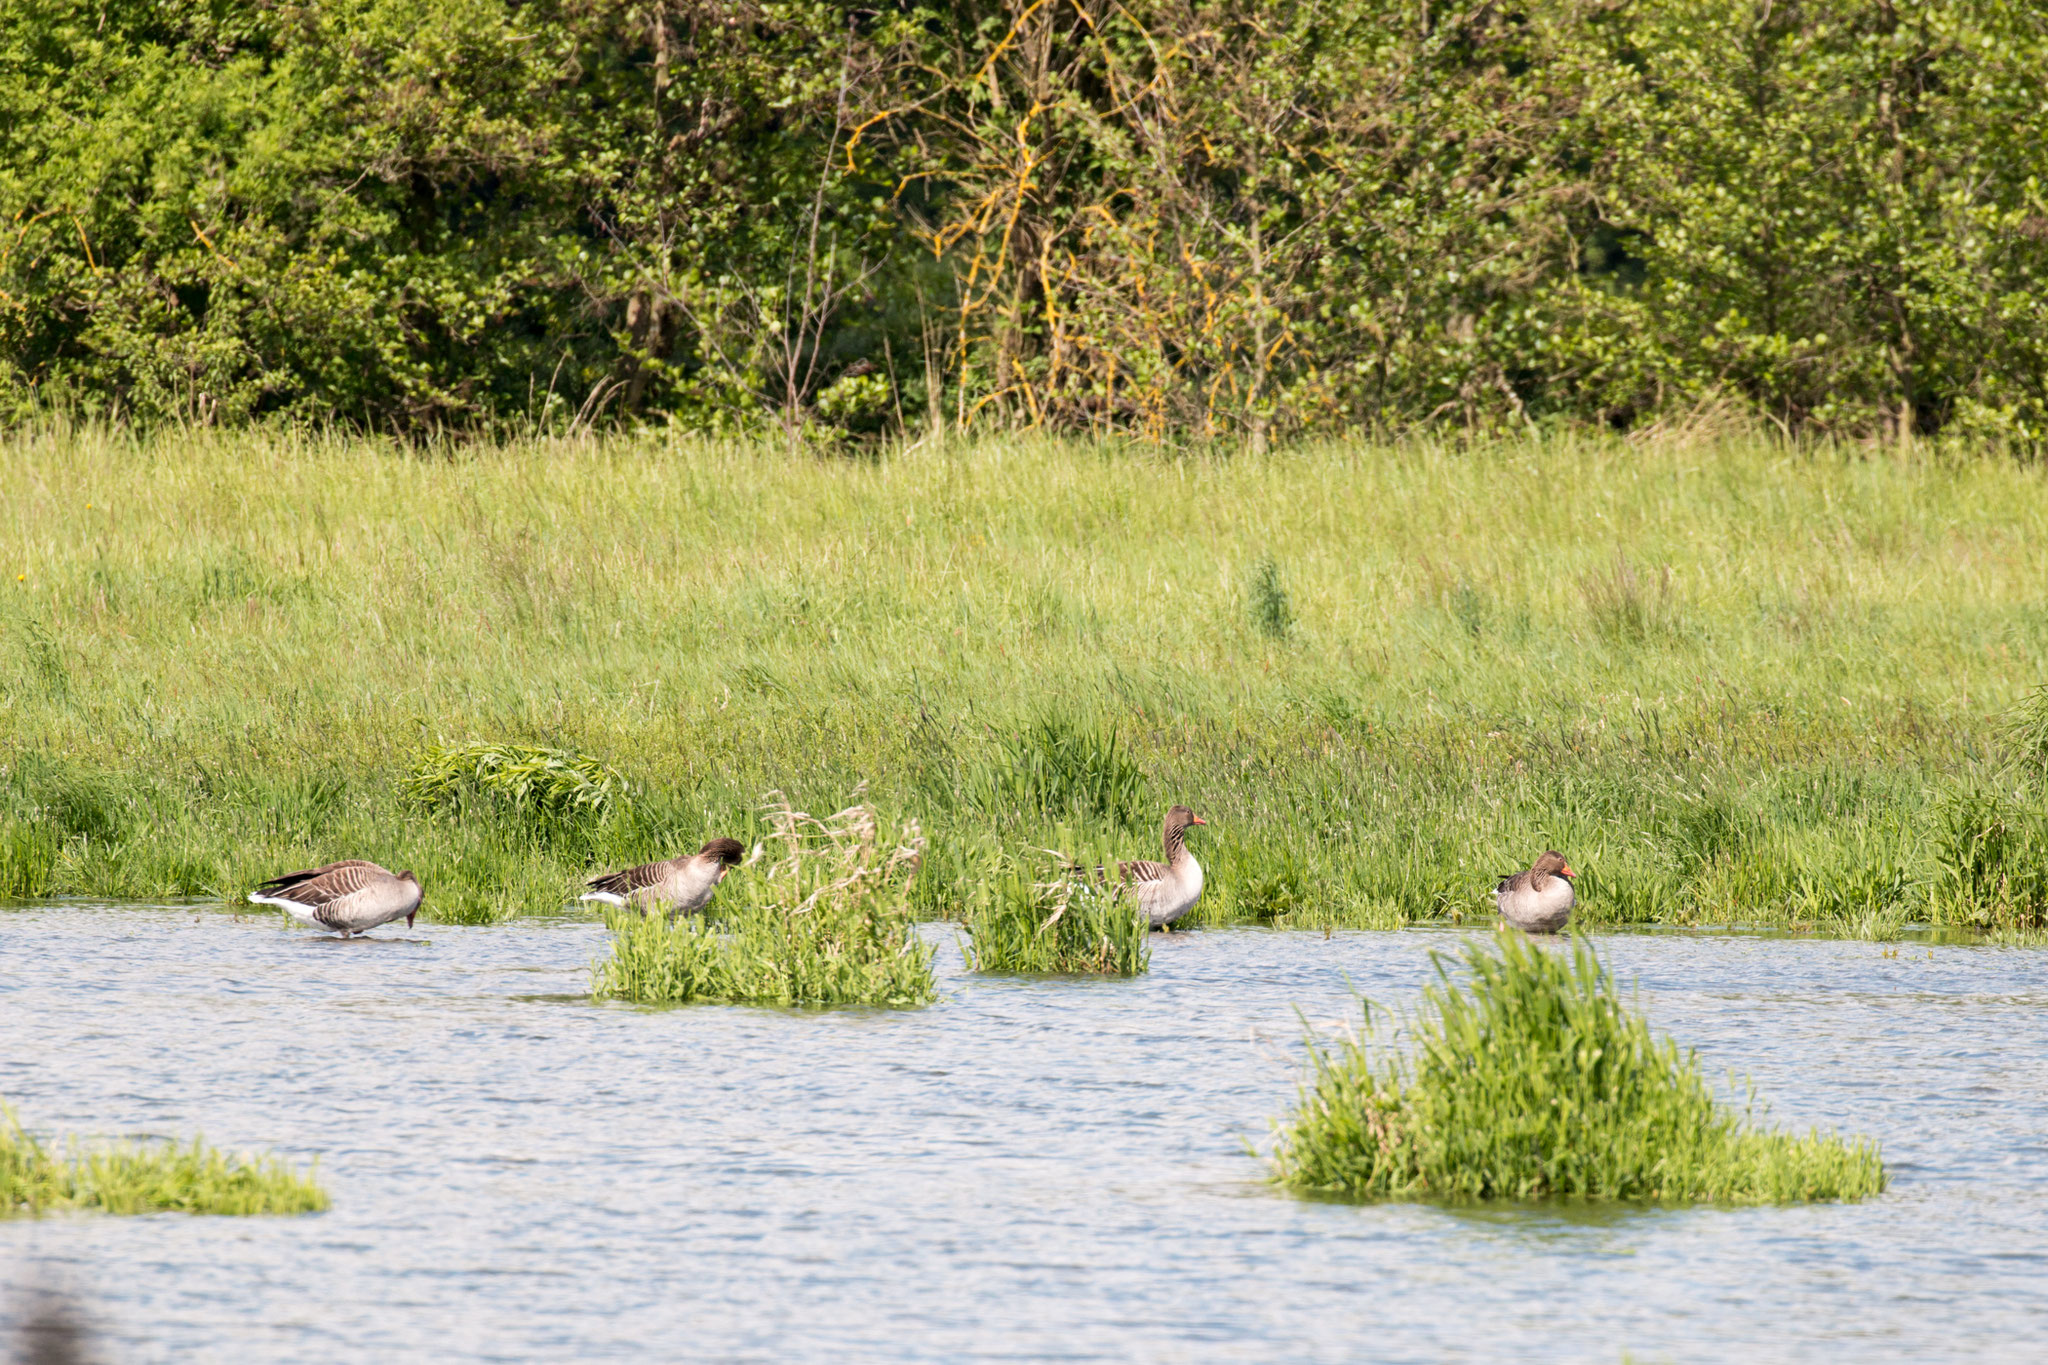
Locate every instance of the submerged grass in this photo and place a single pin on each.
(826, 922)
(1533, 1080)
(124, 1178)
(1061, 922)
(1737, 683)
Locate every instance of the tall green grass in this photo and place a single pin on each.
(125, 1178)
(1732, 681)
(1053, 918)
(825, 921)
(1531, 1080)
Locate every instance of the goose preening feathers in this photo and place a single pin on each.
(1538, 901)
(1166, 891)
(684, 885)
(347, 897)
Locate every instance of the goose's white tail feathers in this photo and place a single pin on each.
(608, 897)
(302, 913)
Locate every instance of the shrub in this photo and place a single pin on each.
(1066, 923)
(827, 922)
(1532, 1080)
(151, 1179)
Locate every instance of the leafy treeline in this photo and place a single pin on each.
(1172, 217)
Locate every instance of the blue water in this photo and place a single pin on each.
(1029, 1170)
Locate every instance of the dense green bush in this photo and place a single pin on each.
(1532, 1079)
(1171, 217)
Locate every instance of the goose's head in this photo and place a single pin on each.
(1179, 818)
(725, 852)
(408, 879)
(1552, 863)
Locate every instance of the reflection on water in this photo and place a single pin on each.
(48, 1327)
(1027, 1170)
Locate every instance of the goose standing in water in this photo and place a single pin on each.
(1166, 891)
(1538, 901)
(683, 884)
(348, 897)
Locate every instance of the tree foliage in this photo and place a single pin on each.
(1164, 217)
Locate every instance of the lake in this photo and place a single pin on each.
(1028, 1170)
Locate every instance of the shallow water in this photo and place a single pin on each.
(1027, 1170)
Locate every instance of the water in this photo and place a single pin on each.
(1026, 1171)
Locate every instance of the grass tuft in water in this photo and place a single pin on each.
(827, 922)
(1532, 1080)
(146, 1179)
(1063, 924)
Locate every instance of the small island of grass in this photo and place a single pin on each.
(1531, 1080)
(128, 1178)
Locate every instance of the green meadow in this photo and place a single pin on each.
(1735, 681)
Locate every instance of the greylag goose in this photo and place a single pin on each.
(683, 884)
(1166, 891)
(348, 897)
(1538, 901)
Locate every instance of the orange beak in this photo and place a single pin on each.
(1566, 871)
(1200, 821)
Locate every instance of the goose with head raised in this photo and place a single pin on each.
(1538, 901)
(347, 897)
(683, 886)
(1166, 891)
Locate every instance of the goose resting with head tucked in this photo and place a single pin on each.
(1166, 891)
(683, 884)
(1538, 901)
(348, 897)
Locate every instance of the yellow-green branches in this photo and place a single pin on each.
(1531, 1079)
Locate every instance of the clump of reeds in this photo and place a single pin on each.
(1066, 922)
(1532, 1079)
(125, 1178)
(826, 921)
(1267, 601)
(1060, 767)
(557, 795)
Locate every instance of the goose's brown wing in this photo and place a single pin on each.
(1141, 870)
(317, 886)
(632, 879)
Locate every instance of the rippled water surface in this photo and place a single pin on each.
(1028, 1170)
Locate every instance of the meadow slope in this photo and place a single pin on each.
(1734, 682)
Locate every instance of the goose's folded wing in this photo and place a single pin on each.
(291, 881)
(1140, 870)
(336, 881)
(631, 880)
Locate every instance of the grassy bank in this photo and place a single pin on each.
(1730, 681)
(124, 1178)
(1530, 1079)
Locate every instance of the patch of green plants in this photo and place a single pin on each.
(1530, 1079)
(824, 920)
(558, 794)
(1063, 922)
(1059, 767)
(128, 1178)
